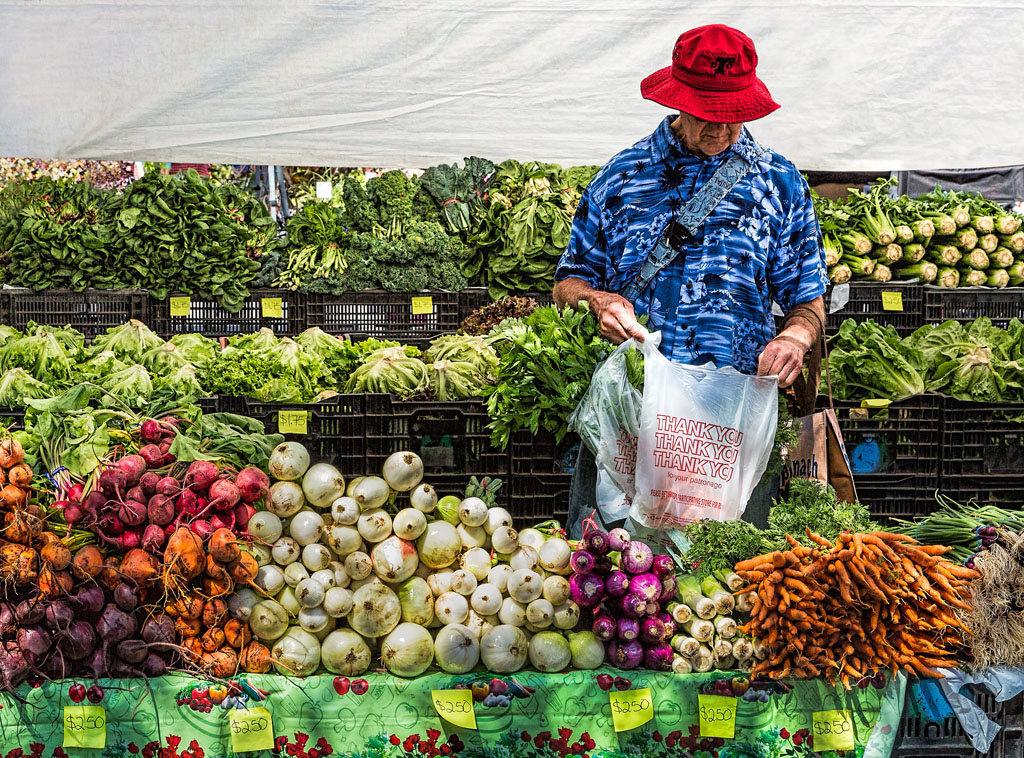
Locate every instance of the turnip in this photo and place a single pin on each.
(286, 499)
(316, 557)
(345, 511)
(295, 573)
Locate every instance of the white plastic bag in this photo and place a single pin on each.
(705, 438)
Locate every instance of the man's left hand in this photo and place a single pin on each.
(784, 357)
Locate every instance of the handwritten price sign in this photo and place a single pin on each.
(631, 708)
(832, 730)
(422, 306)
(85, 726)
(180, 306)
(271, 307)
(292, 422)
(717, 715)
(455, 707)
(251, 729)
(892, 301)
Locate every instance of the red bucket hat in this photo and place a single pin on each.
(713, 77)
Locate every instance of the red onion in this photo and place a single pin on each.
(596, 541)
(603, 628)
(586, 591)
(633, 606)
(669, 587)
(627, 629)
(626, 655)
(618, 539)
(663, 566)
(616, 584)
(659, 657)
(582, 562)
(637, 558)
(646, 585)
(652, 630)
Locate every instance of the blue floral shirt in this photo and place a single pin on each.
(760, 245)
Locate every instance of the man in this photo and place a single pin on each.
(703, 260)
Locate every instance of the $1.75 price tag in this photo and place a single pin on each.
(292, 422)
(717, 714)
(421, 306)
(180, 306)
(455, 707)
(631, 708)
(270, 307)
(85, 726)
(832, 730)
(251, 729)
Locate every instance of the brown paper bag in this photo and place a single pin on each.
(820, 454)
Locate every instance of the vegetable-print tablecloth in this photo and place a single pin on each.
(524, 715)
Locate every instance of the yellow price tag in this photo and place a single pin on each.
(422, 305)
(892, 301)
(832, 730)
(631, 708)
(85, 726)
(455, 707)
(717, 715)
(251, 729)
(292, 422)
(271, 307)
(180, 306)
(875, 402)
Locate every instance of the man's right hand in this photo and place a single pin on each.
(616, 316)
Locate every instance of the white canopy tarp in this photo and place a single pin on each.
(864, 85)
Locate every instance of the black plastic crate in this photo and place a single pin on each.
(451, 438)
(401, 316)
(918, 737)
(91, 312)
(208, 404)
(211, 319)
(455, 484)
(1001, 491)
(335, 429)
(540, 454)
(983, 439)
(902, 496)
(13, 418)
(869, 300)
(968, 303)
(539, 497)
(477, 297)
(902, 438)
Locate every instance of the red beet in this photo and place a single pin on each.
(148, 483)
(243, 512)
(151, 431)
(252, 484)
(136, 493)
(200, 475)
(112, 482)
(160, 510)
(133, 466)
(203, 528)
(73, 513)
(187, 503)
(152, 455)
(132, 513)
(224, 520)
(168, 486)
(154, 539)
(224, 495)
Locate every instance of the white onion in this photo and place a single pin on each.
(476, 561)
(285, 499)
(497, 517)
(371, 579)
(240, 603)
(532, 538)
(371, 492)
(310, 593)
(503, 649)
(324, 576)
(341, 577)
(337, 602)
(567, 615)
(486, 599)
(261, 552)
(524, 585)
(440, 581)
(306, 527)
(314, 619)
(342, 539)
(498, 576)
(512, 612)
(439, 545)
(540, 613)
(352, 484)
(288, 461)
(265, 526)
(524, 558)
(423, 498)
(554, 555)
(374, 525)
(295, 573)
(345, 510)
(376, 610)
(456, 649)
(531, 629)
(463, 582)
(270, 578)
(451, 608)
(479, 625)
(322, 484)
(358, 565)
(556, 590)
(409, 523)
(408, 651)
(417, 601)
(549, 652)
(403, 470)
(297, 652)
(394, 559)
(286, 597)
(505, 540)
(587, 650)
(285, 551)
(268, 619)
(316, 556)
(473, 511)
(344, 652)
(472, 536)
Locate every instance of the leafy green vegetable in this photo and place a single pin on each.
(133, 386)
(465, 349)
(197, 349)
(719, 545)
(43, 354)
(17, 385)
(390, 370)
(130, 341)
(454, 380)
(813, 504)
(870, 361)
(459, 192)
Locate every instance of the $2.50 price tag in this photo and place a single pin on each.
(85, 726)
(455, 707)
(832, 730)
(180, 306)
(892, 301)
(631, 708)
(422, 306)
(251, 729)
(271, 307)
(717, 715)
(292, 422)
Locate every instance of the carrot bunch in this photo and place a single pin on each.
(847, 610)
